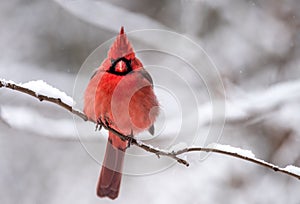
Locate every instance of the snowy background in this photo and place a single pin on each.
(46, 157)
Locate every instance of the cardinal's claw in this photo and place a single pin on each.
(98, 126)
(131, 133)
(130, 139)
(99, 121)
(129, 142)
(107, 121)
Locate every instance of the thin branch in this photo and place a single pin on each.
(171, 154)
(41, 97)
(147, 147)
(232, 154)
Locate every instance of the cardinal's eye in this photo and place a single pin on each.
(121, 66)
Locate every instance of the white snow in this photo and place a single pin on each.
(139, 142)
(293, 169)
(228, 148)
(5, 82)
(276, 95)
(42, 88)
(28, 119)
(242, 106)
(31, 120)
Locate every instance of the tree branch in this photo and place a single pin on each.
(13, 86)
(171, 154)
(233, 154)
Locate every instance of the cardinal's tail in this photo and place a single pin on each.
(111, 173)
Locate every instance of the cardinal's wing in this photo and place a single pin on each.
(151, 130)
(146, 75)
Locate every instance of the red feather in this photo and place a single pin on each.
(121, 47)
(124, 100)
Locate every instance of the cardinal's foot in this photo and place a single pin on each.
(98, 126)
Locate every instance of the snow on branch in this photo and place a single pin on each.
(245, 155)
(40, 89)
(44, 92)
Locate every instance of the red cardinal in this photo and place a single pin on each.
(120, 94)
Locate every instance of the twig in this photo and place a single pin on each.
(232, 154)
(41, 97)
(171, 154)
